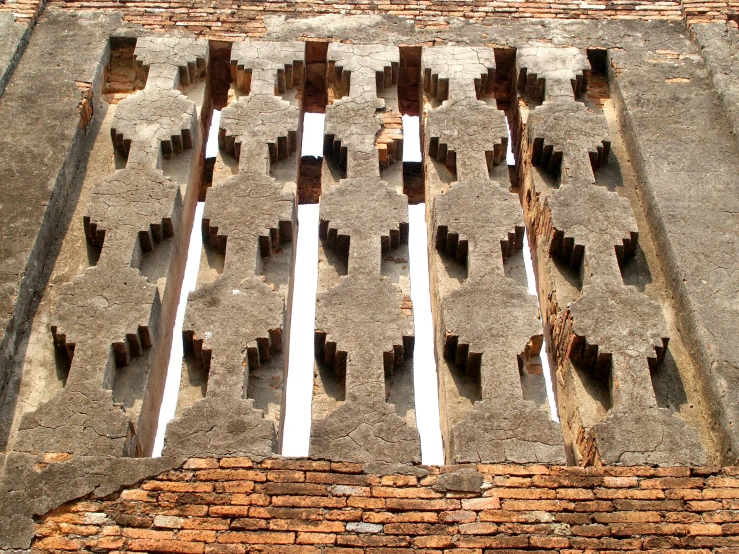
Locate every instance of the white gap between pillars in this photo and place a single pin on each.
(425, 380)
(531, 282)
(299, 386)
(174, 371)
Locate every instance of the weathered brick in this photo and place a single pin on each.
(316, 538)
(402, 517)
(196, 535)
(478, 528)
(286, 476)
(237, 462)
(257, 537)
(309, 501)
(200, 463)
(418, 529)
(293, 464)
(151, 545)
(230, 475)
(176, 486)
(309, 526)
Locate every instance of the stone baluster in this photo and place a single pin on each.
(488, 327)
(362, 328)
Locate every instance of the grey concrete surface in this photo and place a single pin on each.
(364, 303)
(490, 321)
(236, 323)
(14, 36)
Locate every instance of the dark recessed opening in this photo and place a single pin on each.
(409, 80)
(220, 72)
(315, 97)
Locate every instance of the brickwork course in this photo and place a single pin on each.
(623, 119)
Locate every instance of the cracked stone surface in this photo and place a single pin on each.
(265, 69)
(160, 119)
(547, 73)
(364, 303)
(236, 322)
(463, 126)
(569, 137)
(187, 55)
(478, 223)
(596, 228)
(111, 312)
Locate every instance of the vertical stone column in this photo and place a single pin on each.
(111, 312)
(236, 322)
(489, 326)
(362, 329)
(611, 334)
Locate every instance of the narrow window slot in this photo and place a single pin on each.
(299, 386)
(174, 371)
(424, 361)
(531, 281)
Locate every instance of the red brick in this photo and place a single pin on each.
(433, 541)
(544, 505)
(57, 543)
(460, 516)
(257, 537)
(549, 542)
(401, 517)
(500, 541)
(672, 483)
(180, 547)
(316, 538)
(200, 463)
(300, 465)
(249, 524)
(309, 501)
(311, 526)
(390, 492)
(270, 512)
(148, 534)
(490, 503)
(176, 486)
(237, 462)
(341, 479)
(399, 481)
(225, 549)
(347, 514)
(347, 467)
(230, 475)
(286, 476)
(421, 505)
(478, 528)
(418, 529)
(303, 489)
(196, 535)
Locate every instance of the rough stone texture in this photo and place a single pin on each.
(686, 160)
(255, 15)
(34, 484)
(719, 45)
(13, 39)
(313, 507)
(696, 230)
(40, 151)
(611, 327)
(364, 303)
(478, 223)
(236, 322)
(111, 312)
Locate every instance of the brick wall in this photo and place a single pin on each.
(281, 505)
(245, 17)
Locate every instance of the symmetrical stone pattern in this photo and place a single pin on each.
(236, 505)
(111, 312)
(236, 322)
(489, 326)
(362, 331)
(612, 333)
